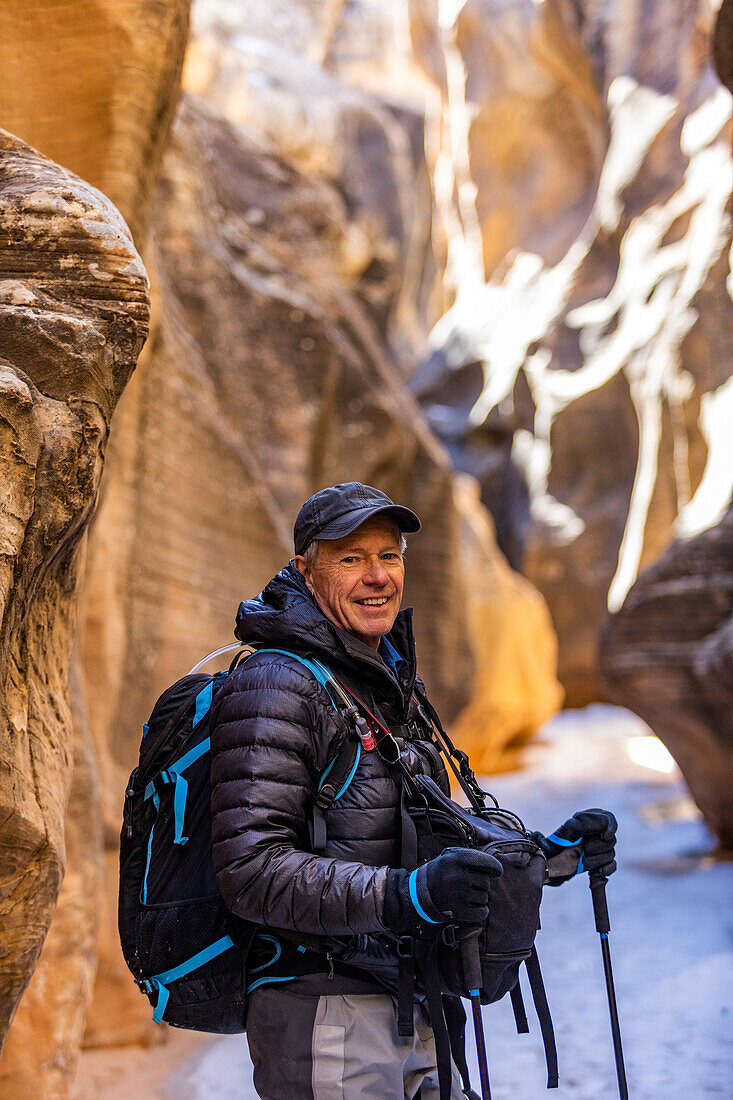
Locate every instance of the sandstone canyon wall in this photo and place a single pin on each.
(582, 370)
(293, 276)
(73, 318)
(668, 652)
(93, 87)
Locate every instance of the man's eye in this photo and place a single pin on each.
(390, 554)
(348, 560)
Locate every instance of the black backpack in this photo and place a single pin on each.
(188, 952)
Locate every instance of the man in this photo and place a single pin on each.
(321, 1021)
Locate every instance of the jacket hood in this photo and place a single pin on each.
(286, 616)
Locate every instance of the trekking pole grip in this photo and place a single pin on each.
(470, 957)
(597, 885)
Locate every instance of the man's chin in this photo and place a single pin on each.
(376, 630)
(373, 627)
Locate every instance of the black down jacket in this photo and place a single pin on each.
(274, 732)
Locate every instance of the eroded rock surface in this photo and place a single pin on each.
(93, 86)
(74, 315)
(584, 381)
(668, 655)
(369, 149)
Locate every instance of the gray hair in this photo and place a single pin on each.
(311, 551)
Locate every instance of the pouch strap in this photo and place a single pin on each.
(436, 1012)
(463, 772)
(520, 1014)
(455, 1018)
(160, 982)
(543, 1015)
(408, 830)
(405, 985)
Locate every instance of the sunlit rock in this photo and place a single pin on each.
(515, 687)
(93, 87)
(371, 150)
(583, 381)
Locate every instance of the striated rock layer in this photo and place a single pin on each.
(73, 318)
(581, 373)
(668, 652)
(668, 655)
(93, 85)
(370, 149)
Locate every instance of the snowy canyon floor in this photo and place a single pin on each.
(671, 942)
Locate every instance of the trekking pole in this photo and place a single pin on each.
(472, 978)
(603, 927)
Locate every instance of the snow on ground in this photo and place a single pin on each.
(671, 936)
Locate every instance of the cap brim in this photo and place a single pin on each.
(406, 520)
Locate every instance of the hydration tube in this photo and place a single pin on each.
(216, 653)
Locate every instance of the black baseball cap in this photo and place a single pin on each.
(337, 511)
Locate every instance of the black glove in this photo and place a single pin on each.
(452, 887)
(586, 842)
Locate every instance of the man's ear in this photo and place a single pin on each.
(304, 569)
(300, 565)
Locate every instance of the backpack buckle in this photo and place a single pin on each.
(448, 935)
(406, 947)
(162, 780)
(325, 796)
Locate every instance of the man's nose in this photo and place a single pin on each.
(376, 573)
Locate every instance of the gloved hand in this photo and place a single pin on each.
(586, 842)
(452, 887)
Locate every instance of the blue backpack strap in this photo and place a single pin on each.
(174, 774)
(160, 982)
(321, 673)
(342, 768)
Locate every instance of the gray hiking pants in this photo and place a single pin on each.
(340, 1047)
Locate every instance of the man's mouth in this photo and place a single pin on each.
(374, 601)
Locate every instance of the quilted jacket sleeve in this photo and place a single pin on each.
(270, 742)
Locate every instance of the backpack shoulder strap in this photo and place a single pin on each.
(342, 767)
(321, 673)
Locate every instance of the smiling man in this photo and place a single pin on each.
(330, 908)
(357, 580)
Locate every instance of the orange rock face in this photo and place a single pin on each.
(515, 687)
(93, 86)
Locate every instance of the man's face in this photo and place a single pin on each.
(357, 581)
